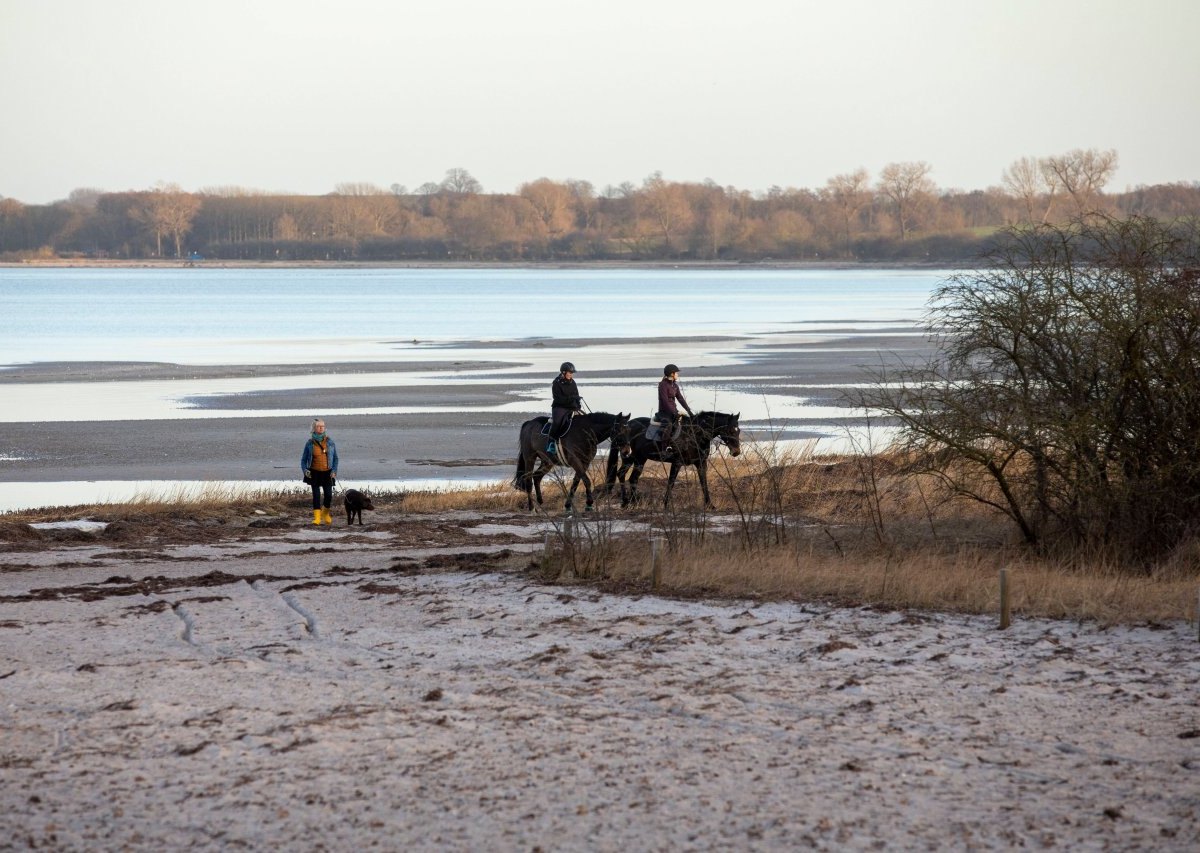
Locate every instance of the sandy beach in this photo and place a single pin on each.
(255, 682)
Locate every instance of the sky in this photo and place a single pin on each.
(301, 96)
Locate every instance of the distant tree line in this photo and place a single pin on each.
(899, 215)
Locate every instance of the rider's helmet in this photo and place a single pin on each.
(566, 367)
(669, 369)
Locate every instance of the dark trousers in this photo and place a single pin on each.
(561, 422)
(322, 489)
(671, 426)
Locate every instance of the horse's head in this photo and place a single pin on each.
(729, 432)
(621, 433)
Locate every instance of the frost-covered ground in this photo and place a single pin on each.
(406, 685)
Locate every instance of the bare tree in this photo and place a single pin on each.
(166, 211)
(84, 197)
(846, 195)
(363, 211)
(583, 196)
(359, 189)
(551, 202)
(1082, 174)
(1026, 179)
(459, 180)
(906, 185)
(1066, 392)
(714, 219)
(788, 230)
(666, 206)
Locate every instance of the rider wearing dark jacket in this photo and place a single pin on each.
(668, 413)
(566, 402)
(669, 394)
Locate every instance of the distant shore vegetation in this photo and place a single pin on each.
(897, 216)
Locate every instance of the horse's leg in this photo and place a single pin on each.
(610, 470)
(587, 488)
(633, 481)
(621, 472)
(526, 479)
(537, 481)
(675, 466)
(571, 492)
(702, 471)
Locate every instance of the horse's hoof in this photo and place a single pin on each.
(588, 509)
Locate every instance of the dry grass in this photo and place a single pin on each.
(212, 500)
(966, 581)
(859, 530)
(853, 530)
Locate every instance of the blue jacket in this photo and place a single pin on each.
(307, 455)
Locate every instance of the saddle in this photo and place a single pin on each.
(660, 430)
(546, 427)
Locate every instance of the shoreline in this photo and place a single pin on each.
(175, 263)
(98, 422)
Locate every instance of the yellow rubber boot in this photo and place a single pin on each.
(316, 516)
(327, 516)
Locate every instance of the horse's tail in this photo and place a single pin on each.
(521, 479)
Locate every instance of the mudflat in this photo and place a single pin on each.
(477, 441)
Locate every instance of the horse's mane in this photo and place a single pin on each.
(707, 415)
(605, 418)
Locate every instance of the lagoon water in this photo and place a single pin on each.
(623, 319)
(278, 316)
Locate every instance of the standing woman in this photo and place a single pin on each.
(319, 463)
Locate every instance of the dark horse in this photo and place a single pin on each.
(696, 436)
(577, 449)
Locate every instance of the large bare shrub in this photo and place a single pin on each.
(1066, 387)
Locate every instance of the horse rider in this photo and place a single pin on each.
(668, 412)
(566, 404)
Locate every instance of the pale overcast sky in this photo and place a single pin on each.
(299, 96)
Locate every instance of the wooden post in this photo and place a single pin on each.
(1005, 610)
(569, 529)
(656, 557)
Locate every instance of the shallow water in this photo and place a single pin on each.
(284, 316)
(520, 322)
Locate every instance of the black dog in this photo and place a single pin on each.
(356, 502)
